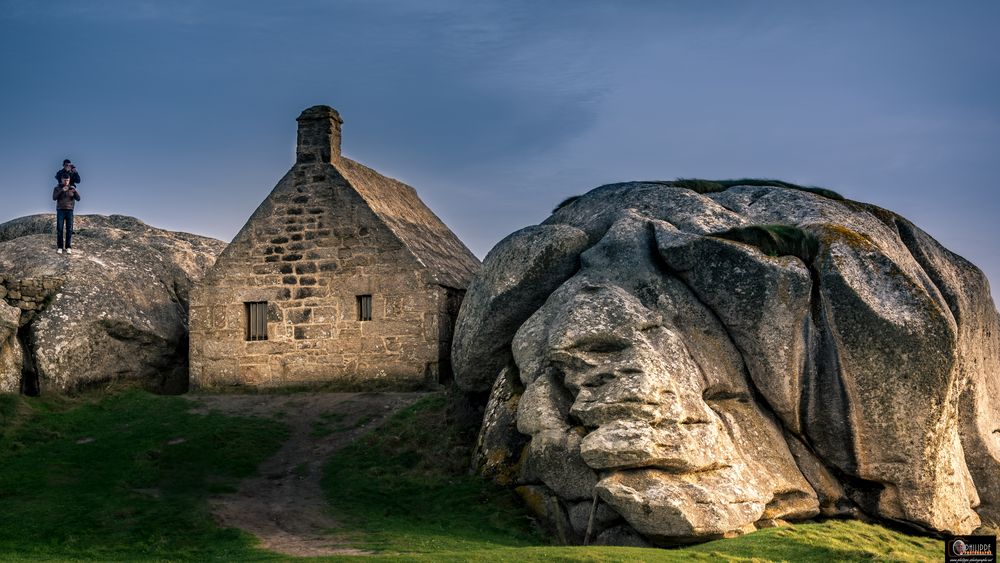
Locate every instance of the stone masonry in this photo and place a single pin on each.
(21, 299)
(330, 233)
(28, 294)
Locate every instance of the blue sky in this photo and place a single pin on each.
(182, 113)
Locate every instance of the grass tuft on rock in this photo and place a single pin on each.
(714, 186)
(566, 202)
(776, 240)
(702, 186)
(698, 185)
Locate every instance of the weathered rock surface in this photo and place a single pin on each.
(11, 356)
(704, 364)
(115, 309)
(529, 265)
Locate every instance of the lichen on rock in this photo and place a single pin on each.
(706, 363)
(114, 310)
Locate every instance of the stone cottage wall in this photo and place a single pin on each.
(310, 249)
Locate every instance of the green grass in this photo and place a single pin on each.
(830, 194)
(841, 541)
(91, 478)
(94, 479)
(712, 186)
(566, 202)
(698, 185)
(406, 488)
(776, 240)
(328, 423)
(702, 186)
(404, 492)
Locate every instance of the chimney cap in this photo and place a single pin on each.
(316, 113)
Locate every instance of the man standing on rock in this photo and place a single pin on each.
(68, 169)
(65, 196)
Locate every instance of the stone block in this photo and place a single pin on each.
(218, 372)
(299, 316)
(219, 317)
(255, 374)
(313, 332)
(359, 261)
(306, 292)
(326, 314)
(199, 318)
(220, 349)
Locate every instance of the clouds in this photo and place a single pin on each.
(495, 111)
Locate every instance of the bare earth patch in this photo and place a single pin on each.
(283, 505)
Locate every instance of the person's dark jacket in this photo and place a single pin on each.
(73, 175)
(67, 199)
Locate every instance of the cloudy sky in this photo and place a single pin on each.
(182, 113)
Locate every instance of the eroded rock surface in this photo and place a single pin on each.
(11, 356)
(707, 364)
(115, 309)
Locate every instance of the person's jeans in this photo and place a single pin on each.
(64, 215)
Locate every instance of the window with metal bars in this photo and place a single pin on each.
(256, 320)
(364, 307)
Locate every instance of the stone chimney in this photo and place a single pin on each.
(319, 135)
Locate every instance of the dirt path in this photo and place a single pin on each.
(283, 504)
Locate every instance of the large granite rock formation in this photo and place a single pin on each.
(666, 366)
(116, 309)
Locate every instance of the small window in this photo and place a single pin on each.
(364, 307)
(256, 320)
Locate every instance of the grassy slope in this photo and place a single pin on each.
(406, 487)
(404, 491)
(124, 493)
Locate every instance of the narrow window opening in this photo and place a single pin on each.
(256, 313)
(364, 307)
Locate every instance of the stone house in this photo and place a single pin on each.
(341, 275)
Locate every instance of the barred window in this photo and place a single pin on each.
(256, 320)
(364, 307)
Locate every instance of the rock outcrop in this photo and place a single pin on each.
(684, 366)
(115, 309)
